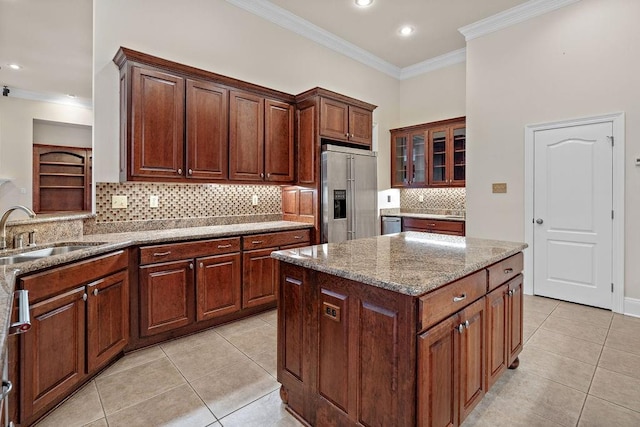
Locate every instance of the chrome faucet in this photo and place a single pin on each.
(5, 217)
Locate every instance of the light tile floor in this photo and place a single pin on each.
(580, 366)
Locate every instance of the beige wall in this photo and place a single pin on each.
(222, 38)
(437, 95)
(16, 142)
(578, 61)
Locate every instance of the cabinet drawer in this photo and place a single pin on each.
(505, 270)
(52, 282)
(271, 240)
(178, 251)
(445, 301)
(433, 226)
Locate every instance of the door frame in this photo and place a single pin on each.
(618, 123)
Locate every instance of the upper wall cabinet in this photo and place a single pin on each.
(325, 116)
(429, 154)
(183, 124)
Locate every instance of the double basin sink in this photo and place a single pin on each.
(41, 253)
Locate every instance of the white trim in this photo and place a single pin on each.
(282, 17)
(509, 17)
(47, 97)
(618, 122)
(451, 58)
(632, 307)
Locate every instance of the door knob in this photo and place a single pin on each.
(539, 221)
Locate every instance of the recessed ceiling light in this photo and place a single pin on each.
(406, 30)
(14, 66)
(364, 3)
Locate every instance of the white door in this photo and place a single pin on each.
(573, 214)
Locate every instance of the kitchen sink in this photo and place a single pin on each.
(40, 253)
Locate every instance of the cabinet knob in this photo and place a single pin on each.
(201, 265)
(346, 135)
(508, 270)
(95, 292)
(179, 171)
(261, 175)
(190, 171)
(191, 266)
(466, 324)
(269, 175)
(510, 293)
(460, 328)
(84, 297)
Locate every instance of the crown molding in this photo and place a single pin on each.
(442, 61)
(47, 97)
(509, 17)
(279, 16)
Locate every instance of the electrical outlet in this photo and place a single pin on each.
(254, 199)
(118, 202)
(153, 201)
(499, 187)
(421, 198)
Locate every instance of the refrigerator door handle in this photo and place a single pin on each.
(349, 197)
(354, 222)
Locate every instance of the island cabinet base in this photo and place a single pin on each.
(351, 354)
(346, 352)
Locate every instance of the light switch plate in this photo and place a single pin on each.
(153, 201)
(499, 187)
(254, 199)
(118, 202)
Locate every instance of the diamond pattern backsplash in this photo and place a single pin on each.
(185, 201)
(434, 200)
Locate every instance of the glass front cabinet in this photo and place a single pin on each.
(429, 155)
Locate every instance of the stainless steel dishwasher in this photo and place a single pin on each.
(391, 224)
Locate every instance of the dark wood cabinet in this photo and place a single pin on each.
(278, 142)
(429, 154)
(157, 115)
(259, 270)
(108, 319)
(166, 296)
(246, 137)
(75, 330)
(218, 286)
(454, 228)
(340, 121)
(53, 353)
(207, 131)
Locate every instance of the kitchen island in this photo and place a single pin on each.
(404, 329)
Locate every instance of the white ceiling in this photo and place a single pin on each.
(52, 39)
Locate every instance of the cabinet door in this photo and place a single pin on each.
(52, 353)
(218, 286)
(107, 319)
(472, 357)
(259, 278)
(497, 332)
(418, 172)
(307, 153)
(246, 136)
(438, 356)
(515, 301)
(400, 160)
(157, 135)
(334, 119)
(458, 154)
(439, 170)
(360, 125)
(167, 297)
(278, 141)
(207, 131)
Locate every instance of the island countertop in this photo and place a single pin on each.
(410, 263)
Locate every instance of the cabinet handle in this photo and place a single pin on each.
(7, 386)
(466, 324)
(460, 328)
(256, 242)
(95, 292)
(84, 296)
(190, 171)
(179, 171)
(346, 135)
(261, 175)
(161, 253)
(297, 237)
(224, 246)
(24, 315)
(460, 298)
(508, 270)
(191, 266)
(201, 265)
(432, 225)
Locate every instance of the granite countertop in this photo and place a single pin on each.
(428, 216)
(105, 243)
(410, 263)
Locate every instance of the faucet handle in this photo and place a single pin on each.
(32, 238)
(18, 240)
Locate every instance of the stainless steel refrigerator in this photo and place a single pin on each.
(349, 194)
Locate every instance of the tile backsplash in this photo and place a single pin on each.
(178, 201)
(434, 200)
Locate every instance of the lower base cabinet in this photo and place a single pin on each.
(454, 228)
(218, 286)
(80, 322)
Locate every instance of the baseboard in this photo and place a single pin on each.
(632, 307)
